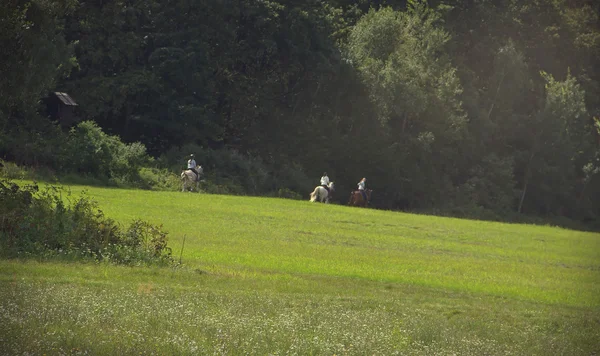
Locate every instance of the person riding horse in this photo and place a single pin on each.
(361, 188)
(192, 166)
(325, 182)
(362, 196)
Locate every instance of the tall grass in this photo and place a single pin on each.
(276, 276)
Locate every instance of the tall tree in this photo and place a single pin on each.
(400, 57)
(33, 52)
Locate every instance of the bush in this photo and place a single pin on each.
(159, 179)
(490, 186)
(92, 151)
(289, 194)
(85, 150)
(227, 187)
(40, 223)
(140, 243)
(231, 172)
(225, 170)
(11, 171)
(34, 144)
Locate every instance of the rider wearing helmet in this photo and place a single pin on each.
(325, 181)
(191, 165)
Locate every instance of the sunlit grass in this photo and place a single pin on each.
(276, 235)
(275, 276)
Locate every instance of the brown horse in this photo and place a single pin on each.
(356, 198)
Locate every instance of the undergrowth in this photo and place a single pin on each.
(50, 223)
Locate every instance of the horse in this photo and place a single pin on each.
(356, 198)
(321, 194)
(188, 178)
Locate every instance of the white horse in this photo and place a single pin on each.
(188, 178)
(321, 194)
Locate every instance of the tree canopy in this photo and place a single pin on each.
(472, 108)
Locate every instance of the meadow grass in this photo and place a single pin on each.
(274, 276)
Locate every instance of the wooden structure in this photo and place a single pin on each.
(62, 108)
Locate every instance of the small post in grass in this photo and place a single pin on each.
(182, 245)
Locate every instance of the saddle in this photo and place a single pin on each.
(197, 175)
(362, 193)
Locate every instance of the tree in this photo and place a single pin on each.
(400, 57)
(34, 52)
(559, 148)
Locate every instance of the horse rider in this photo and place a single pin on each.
(192, 166)
(362, 187)
(325, 182)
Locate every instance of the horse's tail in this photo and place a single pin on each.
(314, 195)
(351, 198)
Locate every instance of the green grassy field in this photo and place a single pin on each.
(273, 276)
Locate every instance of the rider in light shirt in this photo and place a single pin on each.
(325, 181)
(361, 188)
(192, 166)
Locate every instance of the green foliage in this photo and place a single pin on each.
(85, 150)
(230, 172)
(141, 243)
(226, 186)
(34, 53)
(400, 57)
(415, 89)
(490, 188)
(41, 224)
(288, 194)
(37, 143)
(418, 97)
(10, 170)
(159, 179)
(94, 152)
(561, 145)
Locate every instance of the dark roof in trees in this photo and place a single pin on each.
(65, 98)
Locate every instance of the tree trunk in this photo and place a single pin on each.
(523, 195)
(496, 95)
(526, 181)
(581, 195)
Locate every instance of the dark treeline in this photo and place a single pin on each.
(471, 108)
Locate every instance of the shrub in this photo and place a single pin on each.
(11, 170)
(289, 194)
(85, 150)
(40, 223)
(40, 143)
(490, 186)
(226, 187)
(141, 243)
(231, 172)
(160, 179)
(92, 151)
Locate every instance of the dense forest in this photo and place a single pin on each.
(462, 107)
